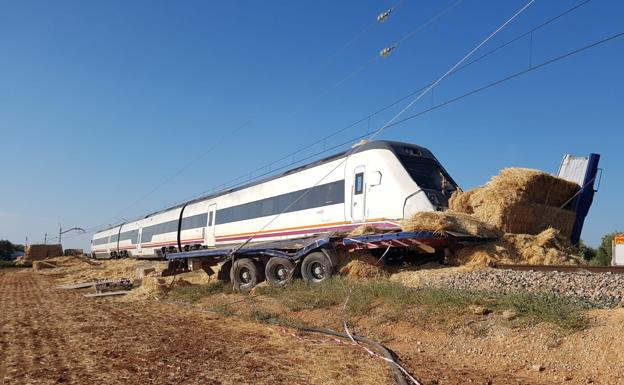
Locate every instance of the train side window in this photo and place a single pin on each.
(210, 215)
(359, 183)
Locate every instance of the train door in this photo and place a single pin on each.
(138, 240)
(210, 225)
(358, 195)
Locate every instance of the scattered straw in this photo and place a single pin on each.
(546, 248)
(441, 222)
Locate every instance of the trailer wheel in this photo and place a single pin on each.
(316, 267)
(279, 271)
(224, 271)
(245, 274)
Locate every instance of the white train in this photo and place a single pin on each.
(380, 184)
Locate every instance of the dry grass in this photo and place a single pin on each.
(364, 229)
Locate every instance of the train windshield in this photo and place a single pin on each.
(427, 173)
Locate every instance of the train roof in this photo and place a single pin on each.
(374, 145)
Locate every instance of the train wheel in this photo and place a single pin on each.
(279, 271)
(245, 274)
(316, 267)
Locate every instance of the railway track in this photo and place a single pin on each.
(563, 268)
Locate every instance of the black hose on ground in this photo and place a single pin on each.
(398, 375)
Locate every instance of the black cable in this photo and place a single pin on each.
(398, 375)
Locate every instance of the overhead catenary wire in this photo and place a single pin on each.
(269, 165)
(183, 168)
(355, 149)
(387, 50)
(227, 184)
(194, 160)
(444, 103)
(374, 58)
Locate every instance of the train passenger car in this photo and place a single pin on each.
(380, 184)
(104, 243)
(159, 233)
(128, 244)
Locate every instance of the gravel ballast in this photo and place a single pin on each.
(597, 290)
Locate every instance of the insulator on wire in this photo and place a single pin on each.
(383, 16)
(386, 51)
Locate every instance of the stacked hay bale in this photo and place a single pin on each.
(39, 252)
(523, 209)
(520, 201)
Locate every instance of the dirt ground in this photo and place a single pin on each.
(48, 335)
(51, 336)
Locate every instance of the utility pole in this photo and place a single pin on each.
(61, 232)
(45, 238)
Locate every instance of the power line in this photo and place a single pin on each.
(190, 163)
(318, 141)
(354, 150)
(465, 95)
(394, 103)
(422, 26)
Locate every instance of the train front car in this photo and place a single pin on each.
(390, 181)
(434, 186)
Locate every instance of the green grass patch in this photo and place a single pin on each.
(194, 293)
(400, 303)
(11, 264)
(363, 296)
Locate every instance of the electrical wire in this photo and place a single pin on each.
(449, 101)
(318, 141)
(426, 24)
(368, 117)
(355, 149)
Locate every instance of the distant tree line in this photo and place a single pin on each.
(7, 248)
(602, 255)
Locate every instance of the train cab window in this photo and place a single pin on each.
(359, 183)
(210, 216)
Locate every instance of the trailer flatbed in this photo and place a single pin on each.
(315, 257)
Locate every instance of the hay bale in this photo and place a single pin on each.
(39, 252)
(441, 222)
(546, 248)
(520, 200)
(359, 264)
(362, 270)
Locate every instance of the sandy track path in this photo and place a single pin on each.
(50, 336)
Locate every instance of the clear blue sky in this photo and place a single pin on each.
(102, 101)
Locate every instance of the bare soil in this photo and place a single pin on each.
(51, 336)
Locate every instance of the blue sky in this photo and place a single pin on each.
(101, 102)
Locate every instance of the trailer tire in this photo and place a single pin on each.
(245, 274)
(279, 271)
(316, 267)
(224, 271)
